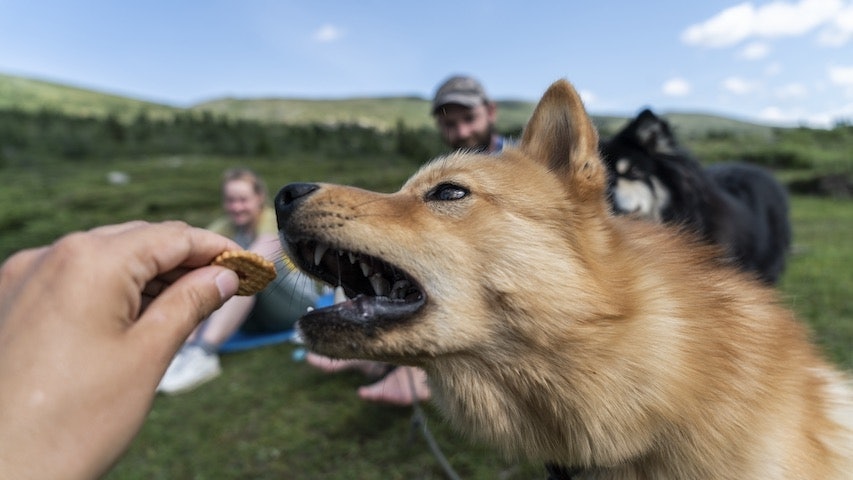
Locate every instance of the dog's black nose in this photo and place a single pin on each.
(289, 197)
(293, 192)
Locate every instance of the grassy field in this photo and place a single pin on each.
(819, 280)
(271, 417)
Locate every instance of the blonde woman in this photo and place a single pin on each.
(250, 221)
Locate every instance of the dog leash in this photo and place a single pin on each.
(419, 420)
(555, 472)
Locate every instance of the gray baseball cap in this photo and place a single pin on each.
(460, 90)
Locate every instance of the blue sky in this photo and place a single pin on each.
(767, 61)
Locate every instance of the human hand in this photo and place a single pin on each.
(87, 328)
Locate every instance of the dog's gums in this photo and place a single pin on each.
(378, 290)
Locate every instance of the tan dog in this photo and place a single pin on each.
(611, 347)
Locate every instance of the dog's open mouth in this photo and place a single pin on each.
(378, 291)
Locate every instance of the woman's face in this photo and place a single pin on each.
(241, 203)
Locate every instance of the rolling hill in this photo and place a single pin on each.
(378, 112)
(33, 95)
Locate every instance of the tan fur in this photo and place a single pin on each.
(559, 332)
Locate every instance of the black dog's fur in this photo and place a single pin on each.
(741, 207)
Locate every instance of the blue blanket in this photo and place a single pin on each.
(245, 341)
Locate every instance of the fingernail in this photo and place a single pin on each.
(227, 283)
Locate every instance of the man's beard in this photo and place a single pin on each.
(477, 143)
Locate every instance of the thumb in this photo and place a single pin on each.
(171, 317)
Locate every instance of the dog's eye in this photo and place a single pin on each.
(445, 192)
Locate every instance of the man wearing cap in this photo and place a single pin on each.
(465, 116)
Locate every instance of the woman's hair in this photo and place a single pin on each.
(245, 174)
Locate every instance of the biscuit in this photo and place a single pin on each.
(254, 271)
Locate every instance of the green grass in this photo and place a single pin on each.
(819, 279)
(41, 201)
(271, 417)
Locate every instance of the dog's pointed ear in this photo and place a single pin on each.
(653, 134)
(561, 134)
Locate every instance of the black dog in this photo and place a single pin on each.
(738, 206)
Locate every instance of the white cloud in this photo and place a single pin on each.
(755, 51)
(722, 30)
(739, 86)
(840, 31)
(676, 87)
(843, 112)
(791, 90)
(841, 76)
(775, 115)
(830, 118)
(796, 116)
(588, 97)
(780, 19)
(776, 19)
(327, 33)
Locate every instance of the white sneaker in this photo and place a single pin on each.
(191, 367)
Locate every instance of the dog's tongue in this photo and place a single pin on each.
(363, 312)
(365, 308)
(341, 328)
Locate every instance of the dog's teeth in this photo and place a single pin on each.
(365, 269)
(352, 258)
(399, 289)
(319, 251)
(340, 296)
(380, 285)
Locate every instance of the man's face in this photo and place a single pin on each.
(464, 127)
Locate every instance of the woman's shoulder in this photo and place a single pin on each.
(222, 226)
(267, 223)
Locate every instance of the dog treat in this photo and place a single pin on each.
(254, 271)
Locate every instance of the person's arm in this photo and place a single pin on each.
(88, 325)
(267, 245)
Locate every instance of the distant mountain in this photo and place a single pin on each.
(378, 112)
(697, 125)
